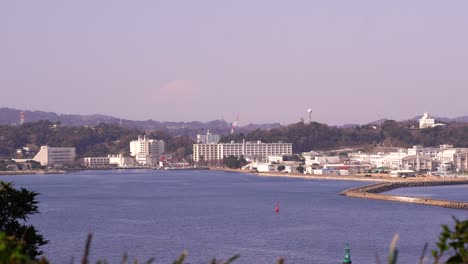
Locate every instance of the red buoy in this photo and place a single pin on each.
(277, 208)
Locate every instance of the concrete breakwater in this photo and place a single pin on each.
(375, 191)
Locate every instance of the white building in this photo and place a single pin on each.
(111, 160)
(426, 121)
(146, 151)
(247, 149)
(96, 161)
(50, 156)
(121, 161)
(445, 157)
(321, 160)
(208, 138)
(275, 158)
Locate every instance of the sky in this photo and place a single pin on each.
(262, 61)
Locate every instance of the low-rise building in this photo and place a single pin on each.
(96, 161)
(402, 173)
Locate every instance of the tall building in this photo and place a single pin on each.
(210, 151)
(51, 156)
(146, 151)
(208, 138)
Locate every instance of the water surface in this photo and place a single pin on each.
(212, 213)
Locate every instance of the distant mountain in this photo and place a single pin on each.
(9, 116)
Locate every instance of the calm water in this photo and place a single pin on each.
(160, 213)
(449, 192)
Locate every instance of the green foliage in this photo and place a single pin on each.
(89, 141)
(233, 162)
(281, 168)
(454, 242)
(35, 165)
(300, 169)
(12, 250)
(15, 208)
(306, 137)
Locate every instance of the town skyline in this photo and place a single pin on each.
(265, 62)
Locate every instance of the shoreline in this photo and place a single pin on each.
(31, 172)
(383, 183)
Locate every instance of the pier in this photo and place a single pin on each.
(375, 191)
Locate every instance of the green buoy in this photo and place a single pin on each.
(347, 256)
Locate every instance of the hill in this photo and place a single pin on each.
(10, 116)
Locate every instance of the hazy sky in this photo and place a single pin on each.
(266, 61)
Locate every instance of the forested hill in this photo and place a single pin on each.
(316, 136)
(100, 140)
(10, 116)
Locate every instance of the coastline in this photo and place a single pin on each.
(382, 183)
(31, 172)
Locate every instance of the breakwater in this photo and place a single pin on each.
(375, 191)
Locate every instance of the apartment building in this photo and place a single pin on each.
(257, 149)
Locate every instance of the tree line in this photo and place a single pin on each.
(106, 139)
(99, 140)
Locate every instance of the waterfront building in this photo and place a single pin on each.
(208, 138)
(402, 173)
(53, 156)
(96, 161)
(417, 162)
(111, 160)
(445, 158)
(121, 161)
(147, 151)
(257, 149)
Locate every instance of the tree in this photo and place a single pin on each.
(453, 241)
(234, 162)
(281, 167)
(300, 169)
(15, 208)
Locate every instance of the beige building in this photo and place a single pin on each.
(247, 149)
(50, 156)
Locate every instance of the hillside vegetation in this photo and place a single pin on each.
(89, 141)
(106, 139)
(316, 136)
